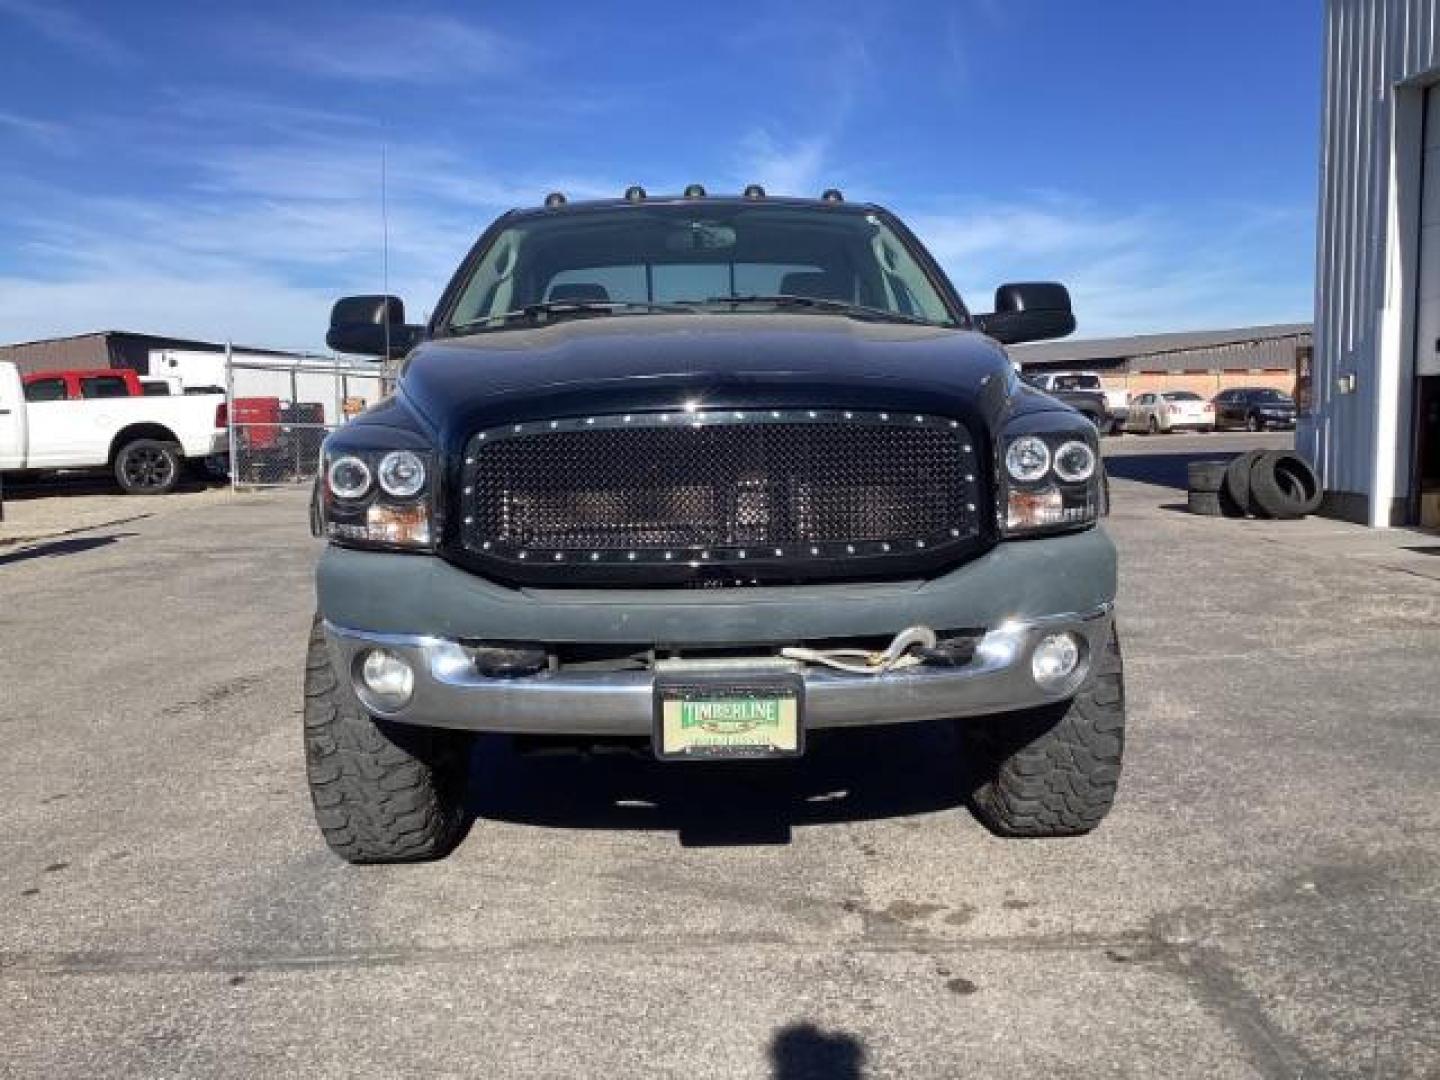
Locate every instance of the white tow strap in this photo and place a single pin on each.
(863, 662)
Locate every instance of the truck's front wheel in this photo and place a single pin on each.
(383, 792)
(1053, 771)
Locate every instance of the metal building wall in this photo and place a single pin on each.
(1378, 55)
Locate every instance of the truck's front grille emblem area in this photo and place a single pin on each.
(775, 495)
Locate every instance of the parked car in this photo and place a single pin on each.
(1255, 408)
(1172, 410)
(706, 475)
(1090, 404)
(1055, 383)
(146, 440)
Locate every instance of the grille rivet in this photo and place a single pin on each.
(779, 552)
(969, 478)
(956, 532)
(849, 416)
(741, 554)
(954, 423)
(968, 448)
(919, 419)
(884, 547)
(485, 546)
(970, 507)
(631, 556)
(669, 555)
(739, 416)
(559, 556)
(524, 554)
(518, 428)
(627, 418)
(919, 543)
(469, 461)
(813, 414)
(849, 549)
(774, 415)
(883, 415)
(664, 418)
(590, 419)
(468, 490)
(594, 556)
(814, 551)
(469, 521)
(554, 424)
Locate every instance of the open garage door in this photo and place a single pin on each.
(1427, 324)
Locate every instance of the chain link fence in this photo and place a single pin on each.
(281, 411)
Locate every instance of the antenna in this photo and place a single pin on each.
(385, 249)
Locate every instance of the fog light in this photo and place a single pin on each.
(386, 683)
(1056, 660)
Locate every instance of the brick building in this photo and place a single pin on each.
(107, 349)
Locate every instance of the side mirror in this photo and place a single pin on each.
(1028, 311)
(371, 326)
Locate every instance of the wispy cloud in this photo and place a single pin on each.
(784, 168)
(61, 25)
(45, 132)
(389, 48)
(1156, 268)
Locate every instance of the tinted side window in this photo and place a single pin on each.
(45, 390)
(103, 386)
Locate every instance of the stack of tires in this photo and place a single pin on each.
(1262, 483)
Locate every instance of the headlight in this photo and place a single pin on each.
(1074, 463)
(402, 474)
(1028, 459)
(379, 498)
(349, 477)
(1051, 480)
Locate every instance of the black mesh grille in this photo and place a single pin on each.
(762, 491)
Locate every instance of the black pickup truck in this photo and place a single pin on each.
(705, 476)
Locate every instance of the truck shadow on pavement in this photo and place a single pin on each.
(845, 775)
(54, 548)
(1161, 470)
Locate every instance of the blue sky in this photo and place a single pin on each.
(214, 169)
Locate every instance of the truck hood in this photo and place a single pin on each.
(609, 364)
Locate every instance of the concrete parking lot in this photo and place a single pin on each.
(1262, 903)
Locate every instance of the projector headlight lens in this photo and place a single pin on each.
(349, 477)
(402, 474)
(1027, 459)
(1074, 462)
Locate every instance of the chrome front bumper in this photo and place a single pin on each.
(450, 693)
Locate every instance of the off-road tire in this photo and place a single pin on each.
(1054, 771)
(383, 792)
(148, 467)
(1237, 479)
(1153, 426)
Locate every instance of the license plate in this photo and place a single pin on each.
(730, 716)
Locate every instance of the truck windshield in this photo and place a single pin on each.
(679, 256)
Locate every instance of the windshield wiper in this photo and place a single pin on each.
(844, 307)
(547, 309)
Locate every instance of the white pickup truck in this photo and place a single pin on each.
(146, 440)
(1061, 382)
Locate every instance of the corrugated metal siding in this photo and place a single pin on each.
(1370, 47)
